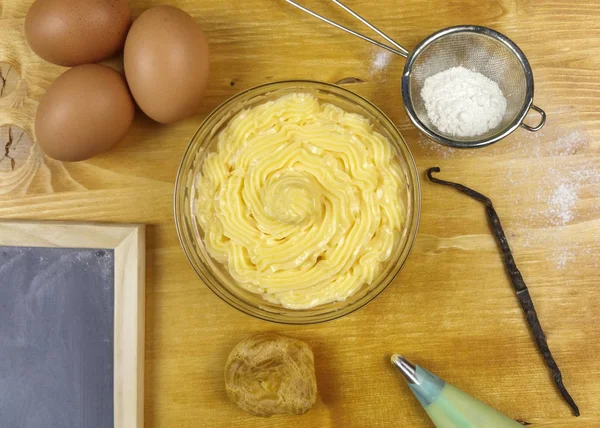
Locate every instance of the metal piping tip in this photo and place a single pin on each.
(407, 368)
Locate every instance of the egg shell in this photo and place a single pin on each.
(85, 112)
(73, 32)
(166, 63)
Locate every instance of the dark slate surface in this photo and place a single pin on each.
(56, 338)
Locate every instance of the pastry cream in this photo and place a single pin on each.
(301, 201)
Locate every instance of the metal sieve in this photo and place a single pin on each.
(479, 49)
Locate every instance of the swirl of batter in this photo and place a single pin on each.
(301, 201)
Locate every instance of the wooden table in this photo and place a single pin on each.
(452, 308)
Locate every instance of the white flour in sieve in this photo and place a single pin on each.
(463, 103)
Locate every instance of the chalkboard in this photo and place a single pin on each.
(71, 325)
(56, 337)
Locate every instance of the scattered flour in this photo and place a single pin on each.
(561, 188)
(562, 258)
(432, 148)
(564, 184)
(562, 202)
(560, 184)
(463, 103)
(381, 60)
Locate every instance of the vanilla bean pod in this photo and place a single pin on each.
(518, 284)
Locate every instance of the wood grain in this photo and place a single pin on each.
(130, 272)
(451, 309)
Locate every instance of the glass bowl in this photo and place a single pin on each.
(215, 275)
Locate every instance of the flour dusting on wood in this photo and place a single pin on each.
(566, 186)
(380, 61)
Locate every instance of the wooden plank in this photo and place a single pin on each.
(451, 309)
(130, 271)
(64, 234)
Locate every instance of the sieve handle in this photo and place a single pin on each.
(539, 125)
(395, 48)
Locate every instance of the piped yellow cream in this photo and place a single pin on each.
(301, 201)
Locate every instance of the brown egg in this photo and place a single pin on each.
(73, 32)
(166, 63)
(85, 112)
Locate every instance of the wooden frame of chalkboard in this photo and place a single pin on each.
(128, 244)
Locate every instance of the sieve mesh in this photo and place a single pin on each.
(477, 48)
(478, 52)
